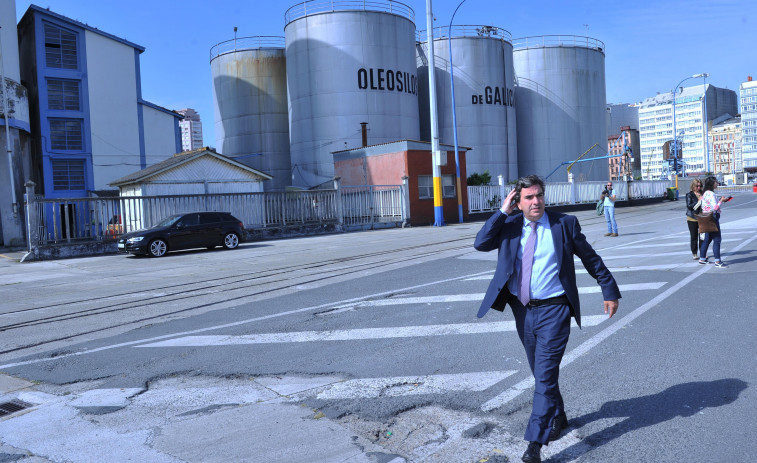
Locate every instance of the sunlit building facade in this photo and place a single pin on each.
(656, 127)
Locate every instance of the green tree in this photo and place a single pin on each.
(476, 179)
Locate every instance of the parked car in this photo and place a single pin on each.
(185, 231)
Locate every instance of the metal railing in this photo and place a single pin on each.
(69, 220)
(489, 197)
(303, 9)
(442, 33)
(543, 41)
(371, 204)
(247, 43)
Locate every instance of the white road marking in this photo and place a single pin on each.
(612, 270)
(413, 385)
(238, 323)
(357, 334)
(515, 391)
(628, 287)
(669, 244)
(638, 267)
(442, 299)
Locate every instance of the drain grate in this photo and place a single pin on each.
(13, 406)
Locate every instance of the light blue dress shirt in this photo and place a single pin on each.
(545, 281)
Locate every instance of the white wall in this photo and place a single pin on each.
(160, 135)
(112, 82)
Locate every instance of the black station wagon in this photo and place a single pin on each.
(185, 231)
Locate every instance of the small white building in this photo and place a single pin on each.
(193, 174)
(202, 171)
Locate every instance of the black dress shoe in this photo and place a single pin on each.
(533, 453)
(558, 425)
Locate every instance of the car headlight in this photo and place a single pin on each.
(136, 239)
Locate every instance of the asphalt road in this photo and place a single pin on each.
(365, 347)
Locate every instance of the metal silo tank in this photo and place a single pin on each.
(482, 57)
(250, 105)
(347, 63)
(560, 90)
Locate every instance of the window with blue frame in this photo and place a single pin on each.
(66, 135)
(68, 174)
(63, 95)
(60, 48)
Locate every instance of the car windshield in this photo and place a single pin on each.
(168, 221)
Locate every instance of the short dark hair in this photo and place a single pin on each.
(527, 182)
(709, 183)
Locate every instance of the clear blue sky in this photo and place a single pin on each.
(650, 44)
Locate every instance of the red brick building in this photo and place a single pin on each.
(388, 163)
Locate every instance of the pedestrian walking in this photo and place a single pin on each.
(711, 204)
(536, 276)
(609, 196)
(694, 207)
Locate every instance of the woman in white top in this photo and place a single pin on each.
(711, 203)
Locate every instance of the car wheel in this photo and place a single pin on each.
(230, 241)
(158, 248)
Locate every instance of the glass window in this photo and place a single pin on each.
(60, 48)
(448, 186)
(66, 134)
(68, 174)
(425, 187)
(63, 95)
(190, 220)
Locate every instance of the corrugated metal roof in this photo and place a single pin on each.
(177, 160)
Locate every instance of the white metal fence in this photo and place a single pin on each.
(69, 220)
(373, 204)
(489, 198)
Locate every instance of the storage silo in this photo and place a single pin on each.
(560, 90)
(347, 63)
(250, 105)
(482, 60)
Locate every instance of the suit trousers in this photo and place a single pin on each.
(544, 333)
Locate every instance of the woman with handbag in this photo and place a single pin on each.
(694, 207)
(711, 214)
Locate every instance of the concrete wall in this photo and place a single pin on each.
(112, 85)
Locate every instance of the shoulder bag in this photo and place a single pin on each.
(707, 223)
(600, 207)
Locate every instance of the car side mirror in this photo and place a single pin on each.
(179, 226)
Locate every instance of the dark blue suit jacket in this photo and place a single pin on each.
(503, 232)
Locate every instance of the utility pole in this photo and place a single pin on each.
(435, 153)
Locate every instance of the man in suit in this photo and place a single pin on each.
(542, 293)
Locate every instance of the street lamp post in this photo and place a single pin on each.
(454, 116)
(676, 153)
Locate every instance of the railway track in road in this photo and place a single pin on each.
(228, 289)
(127, 309)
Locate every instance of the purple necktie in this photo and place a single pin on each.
(526, 263)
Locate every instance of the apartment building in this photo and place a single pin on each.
(695, 108)
(89, 123)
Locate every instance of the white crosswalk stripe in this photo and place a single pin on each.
(353, 334)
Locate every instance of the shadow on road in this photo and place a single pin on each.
(682, 400)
